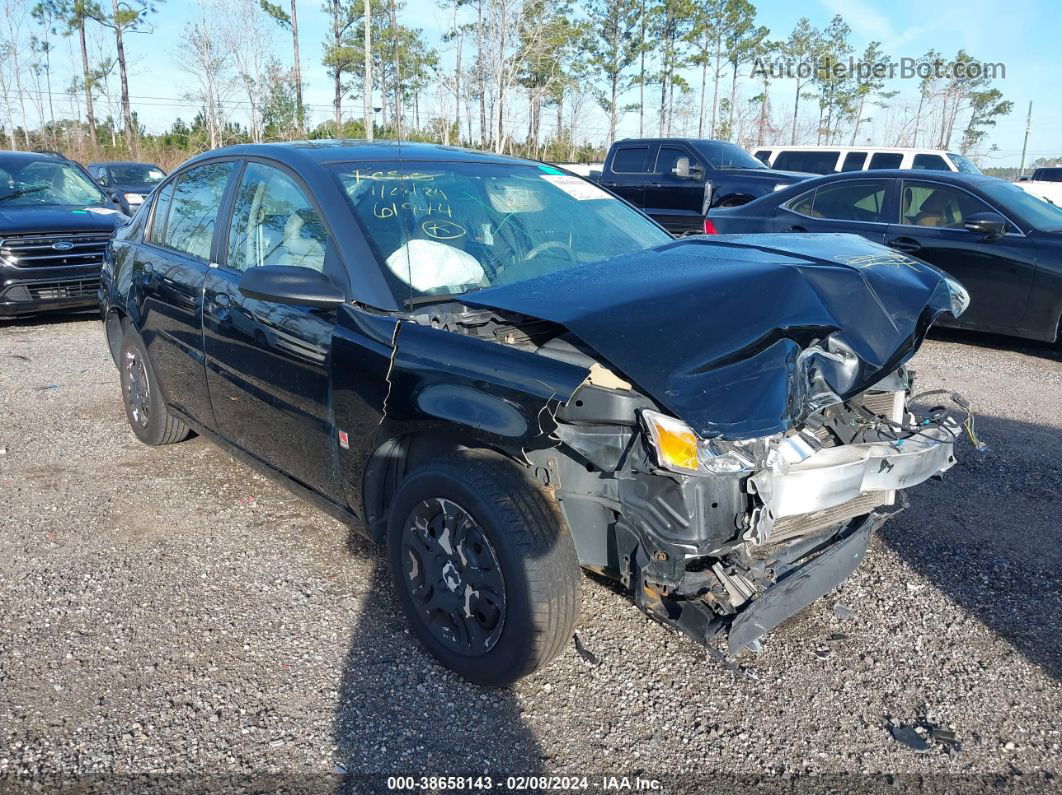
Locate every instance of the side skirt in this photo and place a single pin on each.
(341, 513)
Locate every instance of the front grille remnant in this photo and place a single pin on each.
(77, 288)
(54, 250)
(793, 526)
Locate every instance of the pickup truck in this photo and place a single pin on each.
(675, 181)
(1047, 174)
(1045, 183)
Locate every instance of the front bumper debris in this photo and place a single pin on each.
(835, 476)
(802, 586)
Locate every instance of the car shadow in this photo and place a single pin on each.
(401, 713)
(991, 540)
(1043, 350)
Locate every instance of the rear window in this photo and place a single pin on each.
(824, 162)
(886, 160)
(630, 160)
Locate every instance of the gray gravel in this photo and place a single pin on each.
(167, 610)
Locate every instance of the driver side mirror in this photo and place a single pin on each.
(102, 180)
(287, 284)
(991, 225)
(683, 170)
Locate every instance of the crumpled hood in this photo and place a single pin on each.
(745, 335)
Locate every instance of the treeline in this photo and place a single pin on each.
(527, 77)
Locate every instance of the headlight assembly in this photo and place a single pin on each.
(679, 449)
(960, 299)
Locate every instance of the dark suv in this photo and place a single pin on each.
(54, 226)
(506, 373)
(128, 184)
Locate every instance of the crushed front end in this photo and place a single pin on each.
(714, 536)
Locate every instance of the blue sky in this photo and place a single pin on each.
(1022, 34)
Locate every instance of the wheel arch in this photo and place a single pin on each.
(397, 452)
(114, 326)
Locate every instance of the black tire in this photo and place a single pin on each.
(527, 539)
(144, 407)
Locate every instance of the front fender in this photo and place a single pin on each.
(485, 386)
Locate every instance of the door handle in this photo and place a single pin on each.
(219, 307)
(907, 244)
(796, 229)
(653, 185)
(608, 184)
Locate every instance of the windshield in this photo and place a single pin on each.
(450, 228)
(1033, 210)
(963, 164)
(137, 174)
(723, 155)
(46, 182)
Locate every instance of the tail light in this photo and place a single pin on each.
(709, 227)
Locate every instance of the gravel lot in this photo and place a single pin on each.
(169, 611)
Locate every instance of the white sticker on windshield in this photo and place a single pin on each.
(576, 188)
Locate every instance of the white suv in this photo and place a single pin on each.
(831, 159)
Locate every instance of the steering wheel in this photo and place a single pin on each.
(546, 245)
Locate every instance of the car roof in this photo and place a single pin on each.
(29, 157)
(957, 177)
(123, 163)
(671, 140)
(294, 153)
(827, 148)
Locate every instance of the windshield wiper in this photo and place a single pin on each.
(22, 192)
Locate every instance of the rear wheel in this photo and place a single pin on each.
(484, 568)
(144, 407)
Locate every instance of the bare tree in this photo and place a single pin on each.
(72, 16)
(208, 61)
(246, 34)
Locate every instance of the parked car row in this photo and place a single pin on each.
(56, 218)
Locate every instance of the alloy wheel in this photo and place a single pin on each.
(137, 388)
(453, 576)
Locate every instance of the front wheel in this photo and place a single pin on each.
(484, 567)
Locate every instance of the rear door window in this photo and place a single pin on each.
(669, 156)
(886, 160)
(194, 209)
(157, 232)
(630, 160)
(929, 163)
(824, 162)
(854, 161)
(847, 201)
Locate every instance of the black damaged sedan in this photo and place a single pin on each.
(506, 374)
